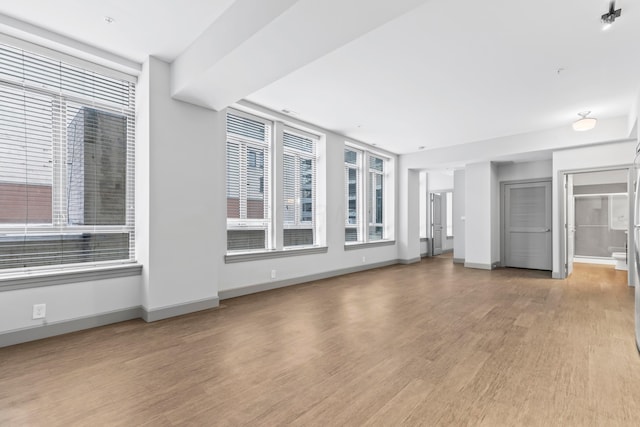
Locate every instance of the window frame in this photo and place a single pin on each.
(365, 198)
(59, 226)
(300, 155)
(245, 143)
(274, 237)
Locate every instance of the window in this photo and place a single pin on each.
(449, 207)
(248, 213)
(66, 164)
(364, 217)
(352, 197)
(299, 164)
(251, 203)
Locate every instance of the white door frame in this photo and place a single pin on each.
(503, 237)
(562, 197)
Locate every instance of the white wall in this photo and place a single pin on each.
(459, 215)
(68, 302)
(440, 181)
(236, 276)
(593, 157)
(424, 205)
(495, 214)
(478, 224)
(525, 170)
(184, 194)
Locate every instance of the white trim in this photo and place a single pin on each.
(66, 276)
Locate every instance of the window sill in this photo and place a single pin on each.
(63, 277)
(354, 246)
(256, 256)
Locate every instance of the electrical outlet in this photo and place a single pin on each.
(273, 274)
(39, 311)
(364, 259)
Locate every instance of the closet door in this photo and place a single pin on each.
(528, 225)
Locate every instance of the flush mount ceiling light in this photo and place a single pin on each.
(584, 123)
(610, 17)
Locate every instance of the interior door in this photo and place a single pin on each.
(436, 223)
(528, 225)
(570, 221)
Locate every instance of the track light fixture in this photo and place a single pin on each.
(610, 17)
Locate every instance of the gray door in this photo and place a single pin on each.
(528, 225)
(436, 223)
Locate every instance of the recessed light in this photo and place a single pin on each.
(109, 20)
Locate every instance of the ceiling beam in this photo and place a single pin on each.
(254, 43)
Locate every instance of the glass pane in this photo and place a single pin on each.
(350, 234)
(352, 196)
(298, 237)
(246, 127)
(306, 190)
(299, 143)
(255, 183)
(96, 167)
(34, 251)
(245, 239)
(289, 189)
(233, 180)
(26, 161)
(593, 235)
(350, 156)
(378, 200)
(376, 163)
(375, 232)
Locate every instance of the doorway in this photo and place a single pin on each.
(527, 225)
(596, 218)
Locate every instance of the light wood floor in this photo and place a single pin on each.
(426, 344)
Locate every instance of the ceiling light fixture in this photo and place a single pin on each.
(109, 20)
(584, 123)
(610, 17)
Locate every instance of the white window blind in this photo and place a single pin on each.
(299, 189)
(66, 165)
(352, 192)
(248, 172)
(365, 204)
(376, 198)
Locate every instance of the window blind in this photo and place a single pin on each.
(352, 195)
(66, 164)
(299, 189)
(376, 201)
(248, 184)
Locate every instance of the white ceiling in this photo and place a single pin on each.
(162, 28)
(445, 73)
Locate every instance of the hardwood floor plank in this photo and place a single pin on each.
(431, 343)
